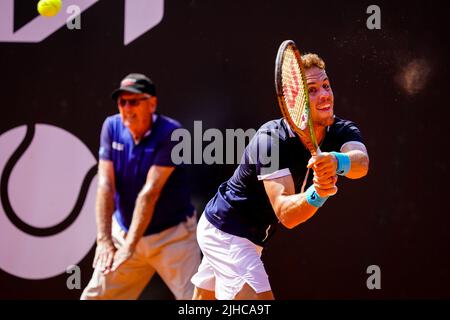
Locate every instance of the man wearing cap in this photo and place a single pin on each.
(145, 220)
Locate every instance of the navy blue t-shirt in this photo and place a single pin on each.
(131, 165)
(241, 206)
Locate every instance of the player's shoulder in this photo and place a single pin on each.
(276, 127)
(271, 124)
(340, 124)
(344, 130)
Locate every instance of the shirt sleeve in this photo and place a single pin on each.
(104, 152)
(349, 132)
(265, 152)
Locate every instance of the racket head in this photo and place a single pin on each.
(292, 93)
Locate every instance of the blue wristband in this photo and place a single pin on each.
(344, 163)
(313, 198)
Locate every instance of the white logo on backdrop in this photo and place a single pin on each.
(140, 17)
(41, 185)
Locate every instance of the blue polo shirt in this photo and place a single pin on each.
(131, 165)
(241, 206)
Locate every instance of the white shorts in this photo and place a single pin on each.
(228, 263)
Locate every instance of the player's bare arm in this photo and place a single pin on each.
(143, 211)
(104, 210)
(359, 159)
(326, 164)
(291, 208)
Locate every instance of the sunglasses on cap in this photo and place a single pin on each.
(131, 102)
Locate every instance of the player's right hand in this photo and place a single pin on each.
(104, 255)
(325, 186)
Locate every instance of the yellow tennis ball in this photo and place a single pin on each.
(49, 8)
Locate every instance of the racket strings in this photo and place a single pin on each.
(293, 86)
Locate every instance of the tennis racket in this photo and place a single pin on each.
(292, 94)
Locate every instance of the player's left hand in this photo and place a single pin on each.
(324, 165)
(121, 255)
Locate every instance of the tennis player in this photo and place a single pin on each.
(243, 215)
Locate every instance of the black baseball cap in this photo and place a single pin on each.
(135, 83)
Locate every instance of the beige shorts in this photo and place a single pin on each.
(228, 263)
(173, 253)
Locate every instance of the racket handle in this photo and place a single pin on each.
(318, 151)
